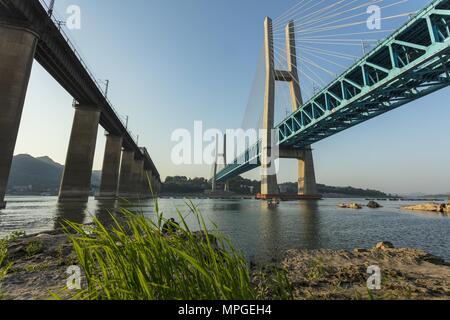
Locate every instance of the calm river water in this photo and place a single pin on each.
(262, 233)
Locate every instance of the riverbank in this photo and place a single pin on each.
(337, 274)
(40, 263)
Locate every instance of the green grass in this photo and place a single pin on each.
(3, 251)
(4, 265)
(33, 247)
(132, 260)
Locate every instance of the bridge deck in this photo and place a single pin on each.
(411, 63)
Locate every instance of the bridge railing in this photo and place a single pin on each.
(56, 21)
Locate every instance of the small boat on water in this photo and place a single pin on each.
(274, 202)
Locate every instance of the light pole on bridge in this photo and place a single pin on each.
(51, 7)
(106, 83)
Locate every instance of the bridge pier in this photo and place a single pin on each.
(137, 177)
(17, 48)
(226, 187)
(147, 182)
(111, 167)
(156, 186)
(307, 185)
(76, 180)
(126, 169)
(269, 185)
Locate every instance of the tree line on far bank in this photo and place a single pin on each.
(242, 186)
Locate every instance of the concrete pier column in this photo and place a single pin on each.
(126, 169)
(307, 177)
(291, 58)
(111, 167)
(226, 187)
(269, 185)
(138, 177)
(213, 180)
(76, 180)
(158, 186)
(153, 182)
(146, 181)
(17, 48)
(306, 174)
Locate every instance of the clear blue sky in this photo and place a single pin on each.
(171, 62)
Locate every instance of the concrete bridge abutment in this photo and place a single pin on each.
(76, 180)
(17, 49)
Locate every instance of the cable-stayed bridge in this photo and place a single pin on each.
(411, 63)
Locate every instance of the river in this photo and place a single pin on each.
(261, 233)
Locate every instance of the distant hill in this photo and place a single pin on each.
(426, 195)
(31, 175)
(338, 192)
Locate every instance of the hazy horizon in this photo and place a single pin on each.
(280, 182)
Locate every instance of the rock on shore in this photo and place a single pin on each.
(374, 205)
(350, 206)
(371, 204)
(331, 274)
(39, 266)
(430, 207)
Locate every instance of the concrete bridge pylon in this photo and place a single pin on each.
(307, 186)
(214, 184)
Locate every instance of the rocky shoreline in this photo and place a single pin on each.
(343, 275)
(372, 205)
(441, 208)
(40, 263)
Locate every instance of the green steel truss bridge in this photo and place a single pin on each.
(411, 63)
